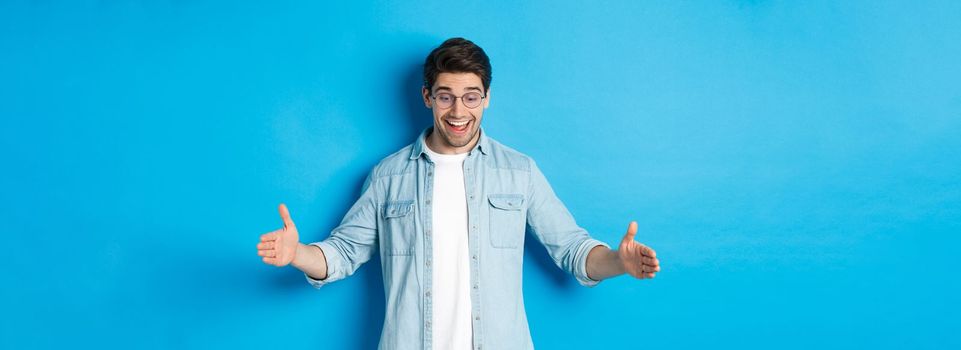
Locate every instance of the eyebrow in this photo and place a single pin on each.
(439, 88)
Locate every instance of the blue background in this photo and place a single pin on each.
(796, 165)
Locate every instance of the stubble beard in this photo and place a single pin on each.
(456, 142)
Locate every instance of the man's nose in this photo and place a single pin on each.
(458, 108)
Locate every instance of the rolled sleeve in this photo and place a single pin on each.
(580, 265)
(334, 265)
(354, 241)
(554, 226)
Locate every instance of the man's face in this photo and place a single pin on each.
(457, 127)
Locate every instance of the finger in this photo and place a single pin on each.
(631, 232)
(269, 253)
(650, 269)
(648, 252)
(271, 261)
(285, 215)
(649, 275)
(265, 245)
(654, 265)
(640, 270)
(642, 260)
(270, 236)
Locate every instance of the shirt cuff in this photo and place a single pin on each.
(580, 268)
(333, 265)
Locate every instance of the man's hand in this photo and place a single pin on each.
(637, 259)
(279, 247)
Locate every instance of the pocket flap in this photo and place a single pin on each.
(395, 209)
(506, 201)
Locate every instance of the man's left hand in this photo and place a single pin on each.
(637, 259)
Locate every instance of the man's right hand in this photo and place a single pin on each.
(279, 247)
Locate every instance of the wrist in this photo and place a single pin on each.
(618, 259)
(300, 255)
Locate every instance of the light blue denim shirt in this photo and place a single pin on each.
(505, 193)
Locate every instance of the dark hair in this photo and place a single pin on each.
(457, 55)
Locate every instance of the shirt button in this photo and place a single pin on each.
(476, 318)
(475, 257)
(428, 294)
(428, 263)
(428, 202)
(475, 286)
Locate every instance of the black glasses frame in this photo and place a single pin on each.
(461, 97)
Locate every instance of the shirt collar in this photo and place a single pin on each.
(483, 143)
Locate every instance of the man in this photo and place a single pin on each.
(447, 214)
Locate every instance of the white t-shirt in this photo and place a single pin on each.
(451, 318)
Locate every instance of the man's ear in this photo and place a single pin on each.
(487, 101)
(426, 95)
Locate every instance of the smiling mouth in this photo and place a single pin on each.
(458, 127)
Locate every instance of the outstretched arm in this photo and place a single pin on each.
(631, 257)
(282, 247)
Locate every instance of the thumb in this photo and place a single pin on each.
(631, 231)
(285, 215)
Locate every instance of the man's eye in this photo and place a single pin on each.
(445, 98)
(471, 98)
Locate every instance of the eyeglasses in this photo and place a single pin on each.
(445, 100)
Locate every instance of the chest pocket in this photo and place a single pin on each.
(506, 220)
(399, 227)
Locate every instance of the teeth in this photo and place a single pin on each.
(458, 123)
